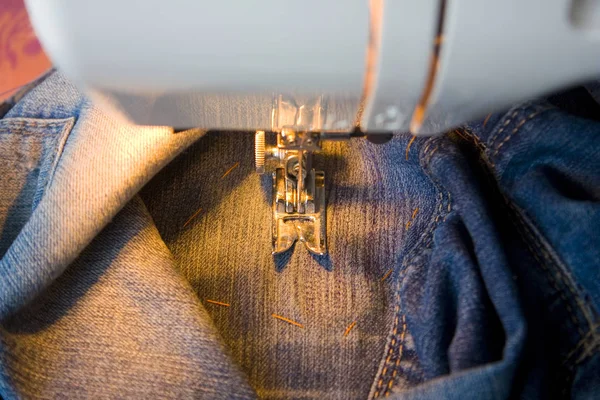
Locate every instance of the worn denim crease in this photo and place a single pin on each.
(136, 261)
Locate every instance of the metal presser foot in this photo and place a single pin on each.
(298, 190)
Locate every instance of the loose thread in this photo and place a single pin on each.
(349, 328)
(289, 321)
(191, 218)
(408, 146)
(485, 121)
(230, 169)
(219, 303)
(387, 274)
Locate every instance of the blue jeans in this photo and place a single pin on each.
(461, 266)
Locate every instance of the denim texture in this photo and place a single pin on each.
(465, 266)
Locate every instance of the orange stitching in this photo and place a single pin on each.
(414, 214)
(583, 344)
(400, 353)
(390, 349)
(525, 231)
(410, 256)
(523, 122)
(504, 125)
(530, 237)
(586, 353)
(409, 223)
(427, 146)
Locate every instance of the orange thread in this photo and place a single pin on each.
(349, 328)
(414, 214)
(504, 125)
(409, 144)
(192, 217)
(400, 353)
(387, 274)
(231, 169)
(390, 350)
(485, 121)
(289, 321)
(518, 127)
(218, 303)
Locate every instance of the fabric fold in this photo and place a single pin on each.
(103, 165)
(120, 321)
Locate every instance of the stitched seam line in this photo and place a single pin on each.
(570, 361)
(564, 278)
(518, 128)
(559, 276)
(60, 146)
(531, 239)
(18, 122)
(504, 125)
(588, 352)
(392, 344)
(420, 246)
(586, 345)
(400, 351)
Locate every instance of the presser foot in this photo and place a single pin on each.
(298, 197)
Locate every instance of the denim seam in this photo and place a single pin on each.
(60, 146)
(590, 350)
(525, 224)
(561, 275)
(503, 127)
(505, 123)
(424, 242)
(23, 122)
(525, 229)
(567, 363)
(586, 345)
(518, 128)
(395, 340)
(396, 366)
(426, 158)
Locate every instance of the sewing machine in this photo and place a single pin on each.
(316, 70)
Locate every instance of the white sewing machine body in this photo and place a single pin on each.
(385, 64)
(314, 70)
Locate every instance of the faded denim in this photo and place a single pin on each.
(462, 266)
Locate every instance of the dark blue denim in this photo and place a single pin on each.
(507, 300)
(460, 266)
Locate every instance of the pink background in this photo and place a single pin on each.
(21, 57)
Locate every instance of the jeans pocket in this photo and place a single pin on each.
(29, 151)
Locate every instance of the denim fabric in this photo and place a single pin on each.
(225, 254)
(465, 265)
(120, 322)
